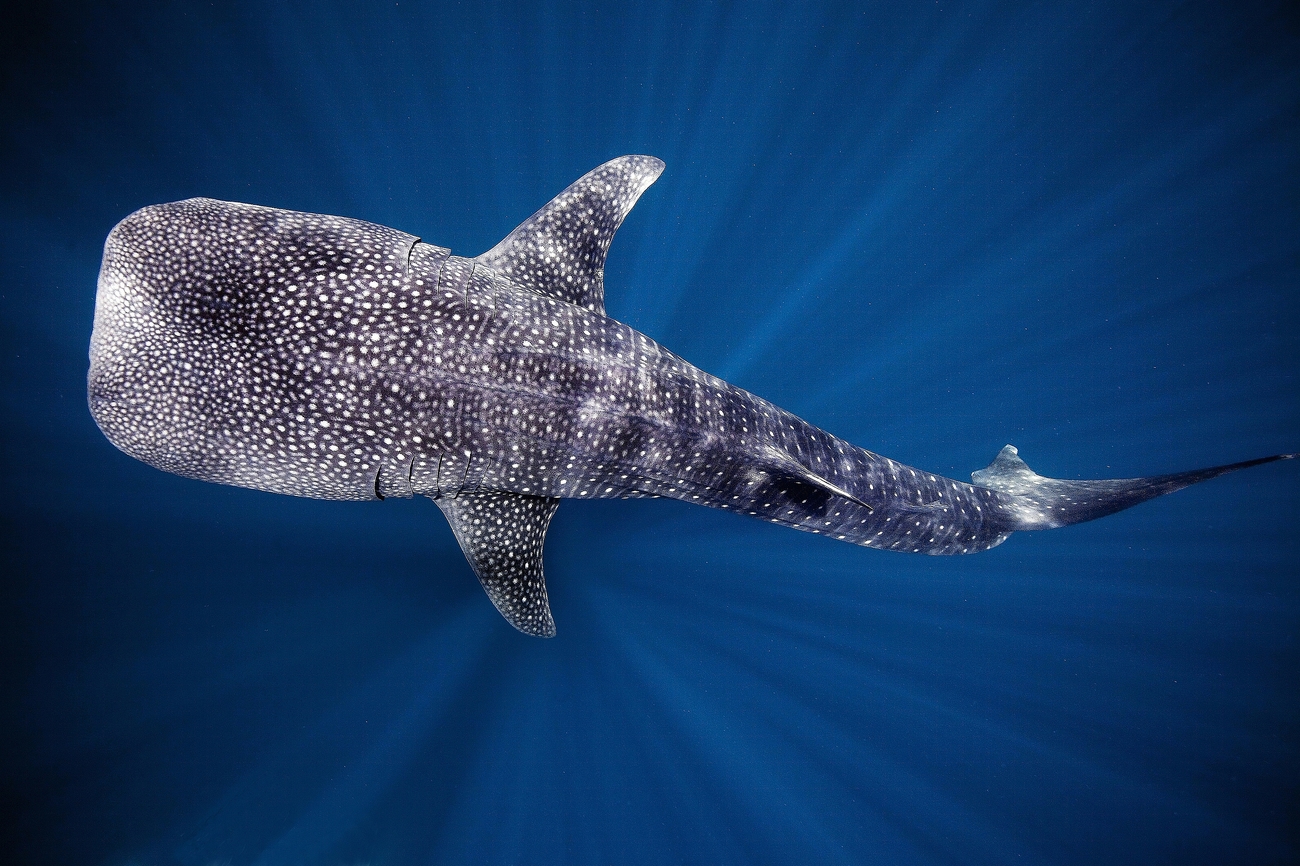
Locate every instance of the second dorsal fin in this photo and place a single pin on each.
(1007, 473)
(560, 250)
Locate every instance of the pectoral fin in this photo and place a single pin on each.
(502, 535)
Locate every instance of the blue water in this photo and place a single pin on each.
(931, 229)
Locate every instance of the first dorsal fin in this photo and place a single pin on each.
(560, 250)
(502, 535)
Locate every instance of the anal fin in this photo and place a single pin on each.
(809, 477)
(781, 465)
(502, 535)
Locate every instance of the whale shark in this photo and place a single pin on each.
(333, 358)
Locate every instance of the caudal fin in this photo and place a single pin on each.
(1046, 503)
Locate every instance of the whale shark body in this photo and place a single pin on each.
(333, 358)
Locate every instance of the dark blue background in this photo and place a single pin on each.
(930, 228)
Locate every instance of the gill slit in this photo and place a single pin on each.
(469, 458)
(410, 250)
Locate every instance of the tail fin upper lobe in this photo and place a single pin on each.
(1046, 503)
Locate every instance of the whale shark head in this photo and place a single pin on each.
(211, 323)
(155, 348)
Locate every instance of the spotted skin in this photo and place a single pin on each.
(332, 358)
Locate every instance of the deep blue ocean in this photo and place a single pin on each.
(930, 228)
